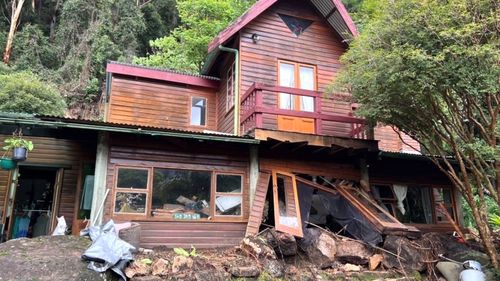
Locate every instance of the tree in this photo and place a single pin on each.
(26, 93)
(431, 68)
(185, 48)
(16, 8)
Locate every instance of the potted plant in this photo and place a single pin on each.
(19, 147)
(7, 164)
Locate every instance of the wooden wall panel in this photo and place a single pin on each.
(4, 181)
(197, 234)
(255, 218)
(225, 117)
(57, 153)
(389, 140)
(318, 45)
(159, 104)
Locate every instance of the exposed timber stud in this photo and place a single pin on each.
(101, 166)
(236, 87)
(254, 172)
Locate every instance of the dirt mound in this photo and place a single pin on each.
(45, 258)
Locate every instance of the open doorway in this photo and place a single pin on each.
(35, 198)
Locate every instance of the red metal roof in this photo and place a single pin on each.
(262, 5)
(162, 74)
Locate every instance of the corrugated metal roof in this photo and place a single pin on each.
(166, 70)
(68, 122)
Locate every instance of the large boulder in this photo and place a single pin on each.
(410, 255)
(284, 244)
(46, 258)
(319, 246)
(354, 252)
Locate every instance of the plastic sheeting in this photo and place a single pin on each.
(107, 251)
(340, 210)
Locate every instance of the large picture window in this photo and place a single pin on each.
(178, 194)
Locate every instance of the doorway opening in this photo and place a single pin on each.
(34, 202)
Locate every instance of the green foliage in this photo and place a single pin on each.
(17, 142)
(146, 261)
(495, 221)
(25, 92)
(489, 203)
(182, 252)
(185, 48)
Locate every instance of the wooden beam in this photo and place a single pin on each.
(299, 146)
(315, 140)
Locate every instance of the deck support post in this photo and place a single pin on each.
(101, 167)
(365, 175)
(254, 172)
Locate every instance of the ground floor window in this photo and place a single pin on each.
(178, 194)
(416, 204)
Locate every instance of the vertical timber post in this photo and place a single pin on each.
(101, 166)
(254, 171)
(365, 175)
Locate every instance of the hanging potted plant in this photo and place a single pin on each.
(19, 147)
(7, 164)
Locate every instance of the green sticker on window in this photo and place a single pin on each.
(189, 216)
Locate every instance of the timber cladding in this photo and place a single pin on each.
(317, 46)
(159, 104)
(56, 153)
(164, 227)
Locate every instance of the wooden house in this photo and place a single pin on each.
(203, 159)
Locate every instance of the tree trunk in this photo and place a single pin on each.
(17, 6)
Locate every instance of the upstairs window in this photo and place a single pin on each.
(198, 111)
(296, 75)
(230, 87)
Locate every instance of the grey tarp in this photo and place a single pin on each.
(340, 210)
(107, 251)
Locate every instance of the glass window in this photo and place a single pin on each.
(443, 196)
(418, 206)
(297, 76)
(228, 197)
(181, 194)
(132, 178)
(229, 183)
(198, 111)
(130, 203)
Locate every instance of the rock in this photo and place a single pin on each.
(319, 246)
(375, 261)
(159, 267)
(349, 251)
(137, 269)
(244, 271)
(46, 258)
(258, 247)
(291, 270)
(450, 270)
(411, 256)
(181, 263)
(351, 267)
(274, 268)
(211, 275)
(284, 244)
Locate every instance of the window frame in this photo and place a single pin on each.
(281, 227)
(434, 205)
(296, 98)
(214, 171)
(191, 111)
(117, 190)
(216, 193)
(230, 91)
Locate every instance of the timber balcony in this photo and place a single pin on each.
(311, 112)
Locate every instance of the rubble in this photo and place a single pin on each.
(137, 268)
(181, 263)
(375, 261)
(160, 267)
(244, 271)
(283, 244)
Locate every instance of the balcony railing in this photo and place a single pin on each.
(260, 109)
